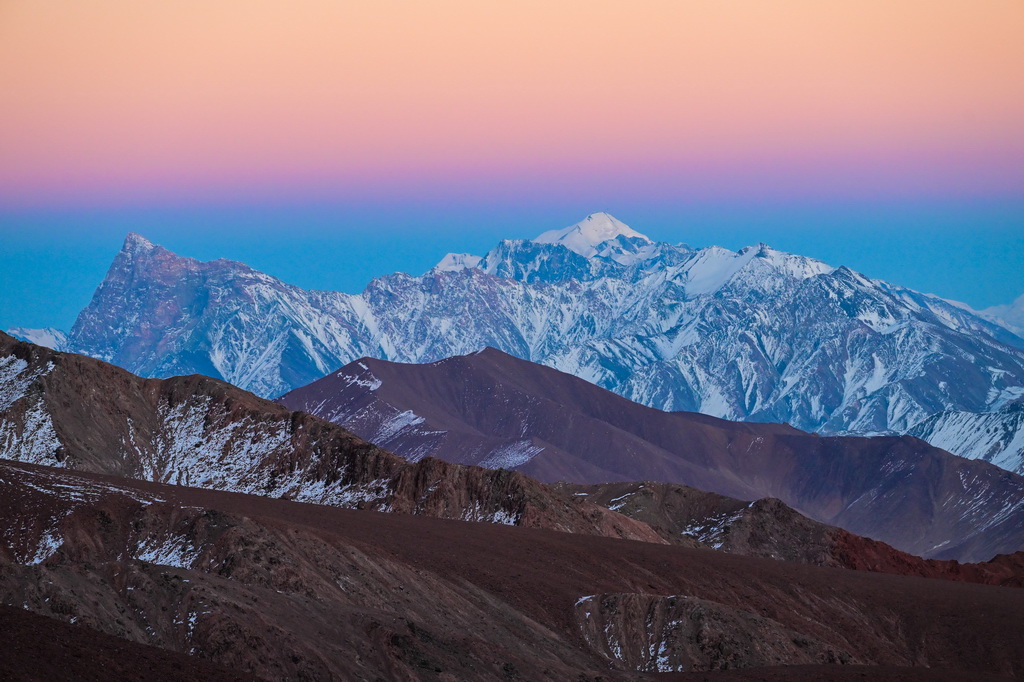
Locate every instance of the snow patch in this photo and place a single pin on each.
(177, 552)
(512, 455)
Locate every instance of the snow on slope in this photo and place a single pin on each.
(756, 335)
(31, 438)
(996, 437)
(587, 235)
(47, 338)
(1010, 316)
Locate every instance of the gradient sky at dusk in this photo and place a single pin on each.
(822, 127)
(124, 101)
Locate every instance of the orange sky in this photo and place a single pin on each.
(121, 99)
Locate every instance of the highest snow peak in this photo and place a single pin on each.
(585, 236)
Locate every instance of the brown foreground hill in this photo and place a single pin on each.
(43, 649)
(287, 590)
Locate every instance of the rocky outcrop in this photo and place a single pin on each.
(771, 529)
(673, 633)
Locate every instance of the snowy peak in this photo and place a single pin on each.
(453, 262)
(1010, 316)
(48, 337)
(136, 243)
(585, 236)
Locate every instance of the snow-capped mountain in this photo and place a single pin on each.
(47, 337)
(756, 334)
(1010, 316)
(996, 437)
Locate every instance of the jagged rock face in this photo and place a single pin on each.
(494, 409)
(72, 411)
(755, 335)
(771, 529)
(295, 591)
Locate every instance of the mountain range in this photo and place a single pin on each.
(74, 412)
(755, 335)
(492, 409)
(215, 568)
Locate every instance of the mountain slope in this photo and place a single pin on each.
(38, 648)
(294, 591)
(769, 528)
(493, 408)
(47, 338)
(1010, 316)
(756, 335)
(996, 437)
(76, 412)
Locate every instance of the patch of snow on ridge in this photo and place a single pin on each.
(212, 457)
(365, 379)
(177, 552)
(512, 455)
(712, 529)
(619, 502)
(15, 379)
(34, 439)
(73, 490)
(49, 543)
(501, 516)
(348, 495)
(396, 425)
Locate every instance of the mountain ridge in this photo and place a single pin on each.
(76, 412)
(494, 409)
(754, 335)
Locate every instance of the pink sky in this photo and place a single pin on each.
(111, 101)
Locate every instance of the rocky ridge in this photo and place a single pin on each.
(771, 529)
(71, 411)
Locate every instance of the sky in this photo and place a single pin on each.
(328, 142)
